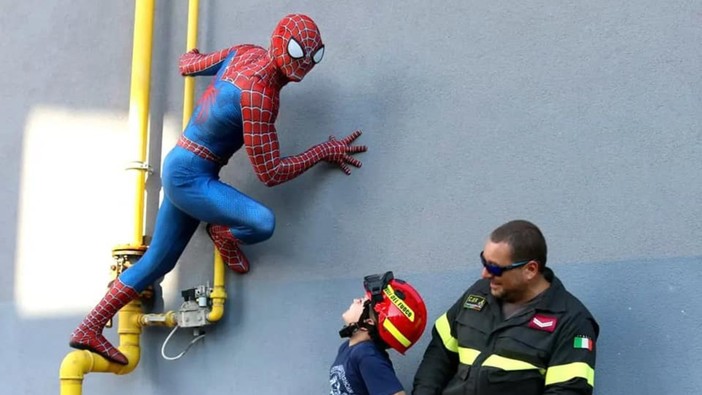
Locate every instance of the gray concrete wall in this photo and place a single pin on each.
(583, 117)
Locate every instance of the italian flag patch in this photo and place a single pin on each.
(583, 342)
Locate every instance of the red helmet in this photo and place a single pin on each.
(296, 46)
(400, 309)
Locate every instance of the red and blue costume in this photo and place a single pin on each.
(239, 108)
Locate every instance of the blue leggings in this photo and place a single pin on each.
(193, 193)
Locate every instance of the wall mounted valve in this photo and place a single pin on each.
(196, 305)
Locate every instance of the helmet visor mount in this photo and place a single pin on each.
(375, 284)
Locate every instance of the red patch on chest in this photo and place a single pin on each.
(543, 323)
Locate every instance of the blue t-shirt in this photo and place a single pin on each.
(363, 369)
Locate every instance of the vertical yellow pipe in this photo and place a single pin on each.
(139, 105)
(219, 295)
(191, 42)
(77, 363)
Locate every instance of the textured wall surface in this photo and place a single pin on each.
(583, 117)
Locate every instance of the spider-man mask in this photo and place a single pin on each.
(296, 46)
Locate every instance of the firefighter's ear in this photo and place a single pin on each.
(531, 269)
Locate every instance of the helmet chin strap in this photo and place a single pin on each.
(350, 329)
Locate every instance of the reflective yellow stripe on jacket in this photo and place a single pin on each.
(563, 373)
(554, 374)
(443, 326)
(465, 355)
(500, 362)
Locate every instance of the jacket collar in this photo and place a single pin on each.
(552, 299)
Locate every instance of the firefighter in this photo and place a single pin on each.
(515, 331)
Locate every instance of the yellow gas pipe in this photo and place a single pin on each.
(218, 295)
(77, 363)
(80, 362)
(131, 319)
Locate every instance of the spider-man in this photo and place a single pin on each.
(238, 108)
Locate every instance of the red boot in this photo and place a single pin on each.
(228, 247)
(88, 335)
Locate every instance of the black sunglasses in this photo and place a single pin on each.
(496, 270)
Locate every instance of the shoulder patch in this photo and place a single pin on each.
(474, 302)
(585, 342)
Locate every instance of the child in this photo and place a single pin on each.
(392, 314)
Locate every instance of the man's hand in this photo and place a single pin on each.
(339, 151)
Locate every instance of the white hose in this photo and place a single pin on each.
(163, 347)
